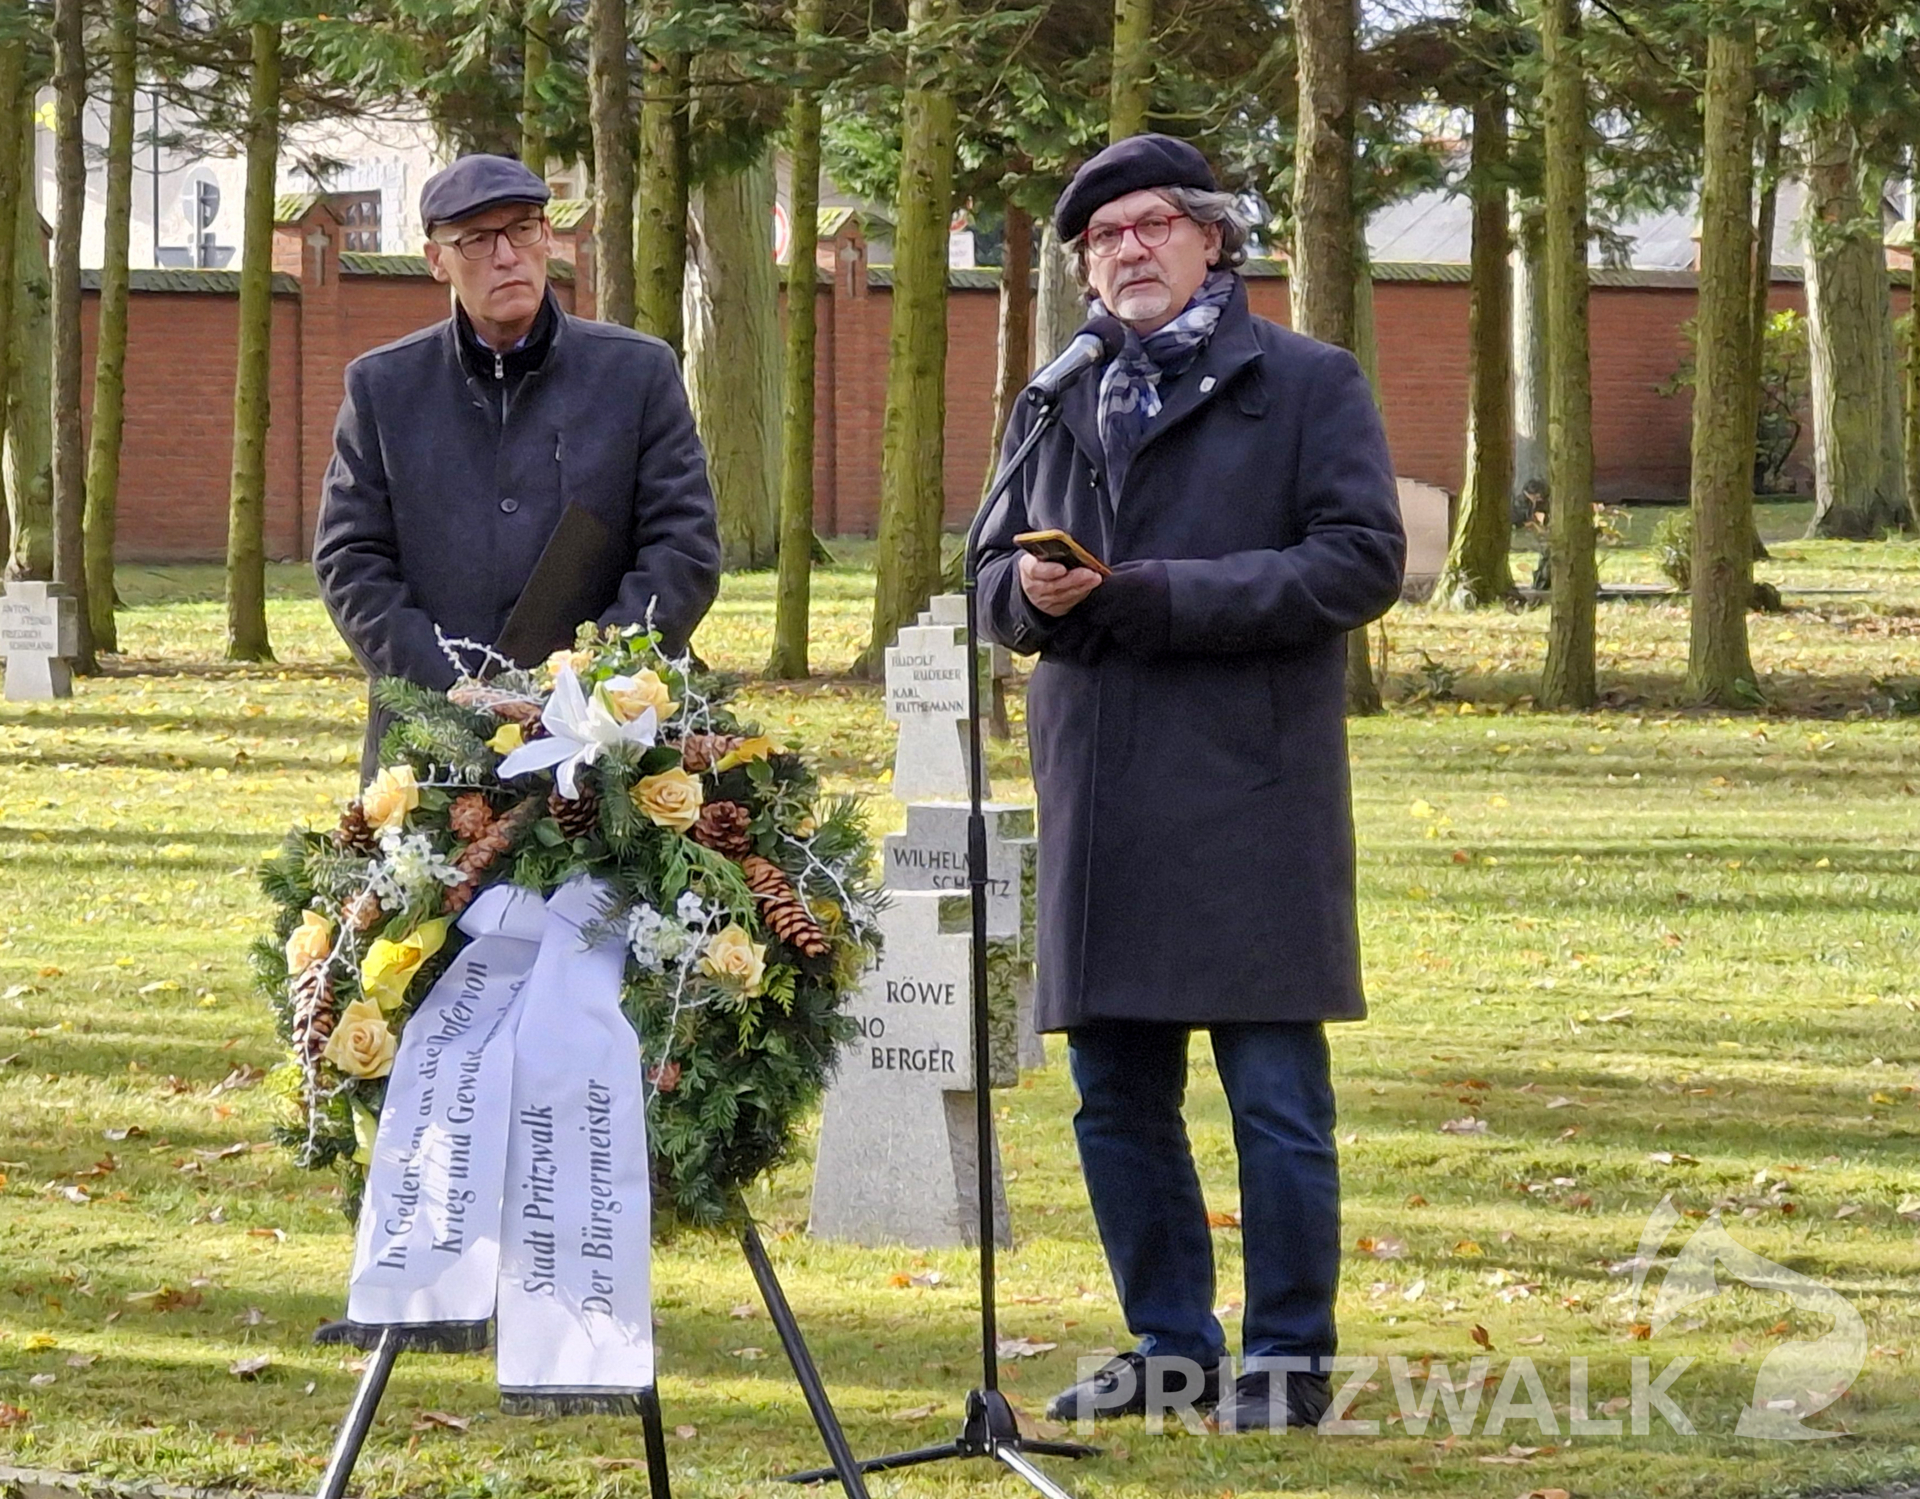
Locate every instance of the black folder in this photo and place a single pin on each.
(576, 579)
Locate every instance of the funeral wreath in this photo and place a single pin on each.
(743, 896)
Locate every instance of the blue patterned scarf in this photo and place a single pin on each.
(1130, 387)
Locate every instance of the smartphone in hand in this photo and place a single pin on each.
(1058, 546)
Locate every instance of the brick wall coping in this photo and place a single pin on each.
(223, 283)
(1448, 272)
(369, 263)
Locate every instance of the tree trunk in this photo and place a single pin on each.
(1132, 80)
(1477, 572)
(30, 379)
(536, 53)
(69, 436)
(1719, 666)
(1766, 216)
(1913, 345)
(247, 504)
(1015, 339)
(733, 358)
(791, 600)
(612, 161)
(1059, 307)
(15, 102)
(1856, 485)
(913, 441)
(1363, 686)
(1325, 253)
(660, 224)
(1893, 425)
(110, 345)
(1567, 680)
(1529, 358)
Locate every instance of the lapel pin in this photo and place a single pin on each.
(1207, 384)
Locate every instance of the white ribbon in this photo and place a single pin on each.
(510, 1169)
(575, 1310)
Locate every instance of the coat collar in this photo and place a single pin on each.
(1232, 347)
(464, 347)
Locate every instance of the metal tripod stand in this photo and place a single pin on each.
(384, 1345)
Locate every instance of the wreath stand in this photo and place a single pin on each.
(385, 1343)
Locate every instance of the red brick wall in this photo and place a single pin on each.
(180, 393)
(176, 452)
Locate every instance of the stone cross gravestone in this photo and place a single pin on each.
(40, 633)
(932, 855)
(896, 1162)
(927, 697)
(951, 609)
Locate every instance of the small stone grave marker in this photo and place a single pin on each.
(951, 609)
(40, 633)
(932, 855)
(896, 1161)
(927, 697)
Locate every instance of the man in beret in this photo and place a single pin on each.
(458, 449)
(1186, 724)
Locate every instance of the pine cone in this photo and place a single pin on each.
(723, 828)
(485, 851)
(785, 913)
(364, 912)
(355, 834)
(699, 751)
(578, 816)
(313, 1013)
(470, 816)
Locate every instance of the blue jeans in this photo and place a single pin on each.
(1132, 1078)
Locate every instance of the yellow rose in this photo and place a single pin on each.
(362, 1044)
(506, 739)
(671, 799)
(629, 697)
(311, 941)
(735, 956)
(390, 966)
(390, 797)
(756, 748)
(580, 661)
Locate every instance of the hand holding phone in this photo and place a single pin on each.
(1060, 547)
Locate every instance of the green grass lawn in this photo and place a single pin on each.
(1654, 951)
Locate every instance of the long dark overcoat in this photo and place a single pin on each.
(451, 469)
(1186, 721)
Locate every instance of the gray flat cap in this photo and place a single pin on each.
(474, 183)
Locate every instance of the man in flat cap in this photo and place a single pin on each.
(459, 448)
(1186, 724)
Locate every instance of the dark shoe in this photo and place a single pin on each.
(1269, 1400)
(1120, 1387)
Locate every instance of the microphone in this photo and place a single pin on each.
(1096, 343)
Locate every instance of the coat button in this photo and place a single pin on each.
(509, 505)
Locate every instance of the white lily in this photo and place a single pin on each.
(579, 730)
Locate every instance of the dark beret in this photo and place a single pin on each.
(474, 183)
(1139, 161)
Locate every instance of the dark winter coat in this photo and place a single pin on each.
(1186, 721)
(451, 469)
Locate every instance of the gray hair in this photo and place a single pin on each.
(1204, 208)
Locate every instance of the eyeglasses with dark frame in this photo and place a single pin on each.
(479, 244)
(1153, 231)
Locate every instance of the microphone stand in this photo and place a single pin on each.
(989, 1428)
